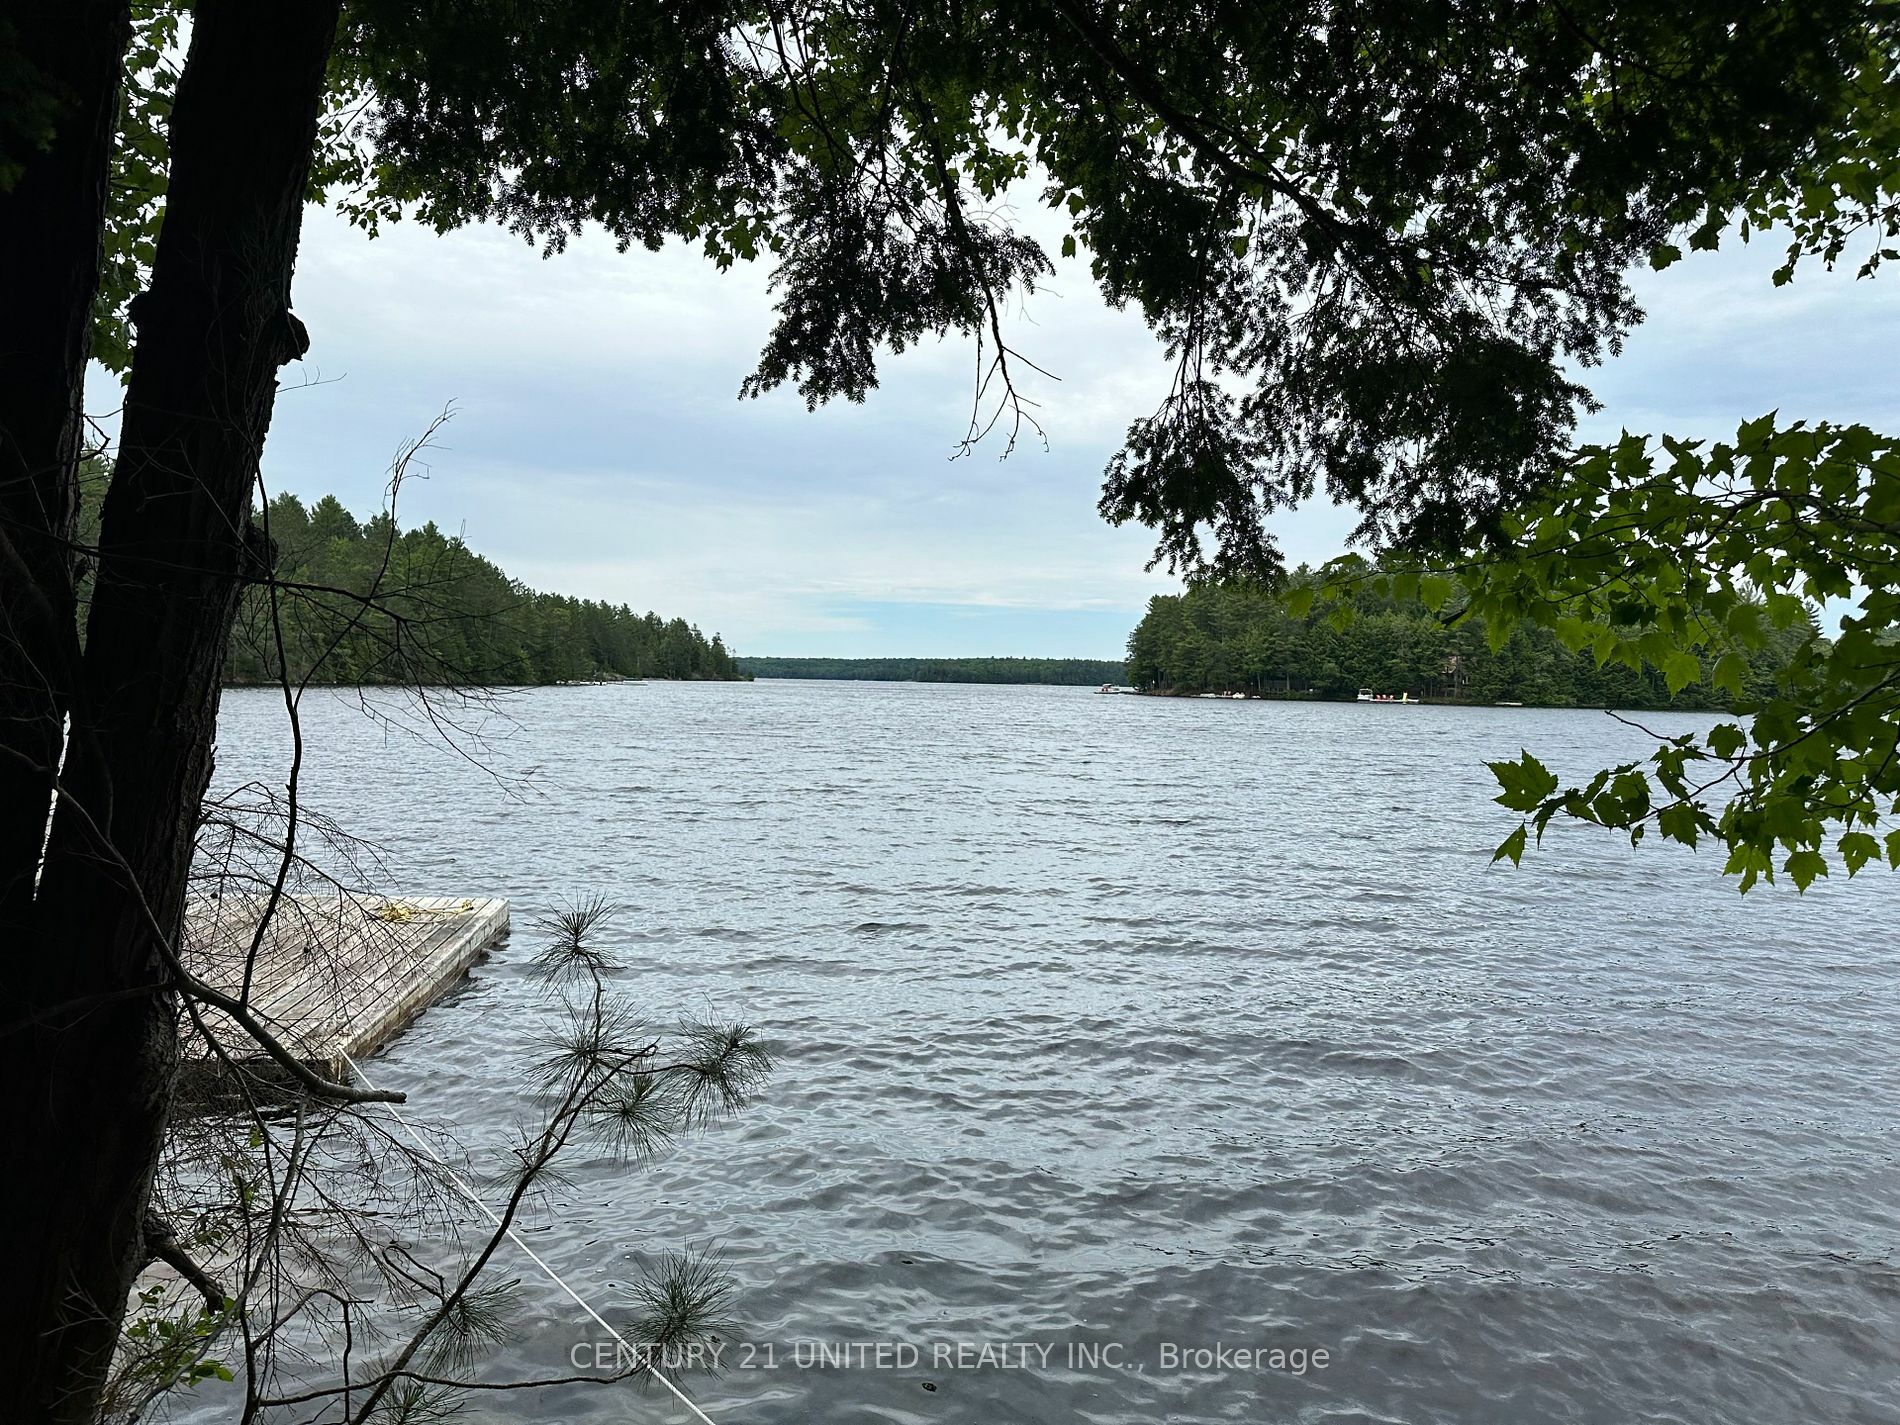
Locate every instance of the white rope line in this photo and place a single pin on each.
(533, 1256)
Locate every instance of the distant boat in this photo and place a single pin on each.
(1366, 695)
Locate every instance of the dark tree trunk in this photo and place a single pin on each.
(51, 222)
(87, 1100)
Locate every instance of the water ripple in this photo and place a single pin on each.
(1132, 1023)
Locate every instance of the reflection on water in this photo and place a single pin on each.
(1138, 1030)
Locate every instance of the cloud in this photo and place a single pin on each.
(599, 446)
(1722, 344)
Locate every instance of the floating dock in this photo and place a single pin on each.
(332, 975)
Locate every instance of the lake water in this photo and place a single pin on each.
(1112, 1022)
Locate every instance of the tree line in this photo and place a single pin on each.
(1066, 672)
(365, 602)
(1239, 637)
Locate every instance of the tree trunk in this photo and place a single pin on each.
(87, 1098)
(51, 226)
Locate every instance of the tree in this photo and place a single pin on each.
(89, 926)
(1379, 629)
(52, 210)
(1710, 561)
(1371, 235)
(1675, 560)
(357, 603)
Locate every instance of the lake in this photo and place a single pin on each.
(1115, 1030)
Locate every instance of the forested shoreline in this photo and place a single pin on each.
(1242, 638)
(365, 602)
(1059, 672)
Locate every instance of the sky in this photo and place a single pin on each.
(598, 447)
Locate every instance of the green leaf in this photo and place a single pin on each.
(1434, 590)
(1752, 435)
(1512, 846)
(1730, 669)
(1632, 790)
(1784, 610)
(1680, 669)
(1857, 849)
(1525, 782)
(1678, 823)
(1573, 633)
(1803, 866)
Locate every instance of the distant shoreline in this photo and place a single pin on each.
(599, 680)
(1308, 695)
(1049, 672)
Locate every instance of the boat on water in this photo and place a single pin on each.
(1366, 695)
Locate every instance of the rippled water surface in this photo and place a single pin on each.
(1138, 1022)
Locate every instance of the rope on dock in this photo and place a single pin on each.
(402, 912)
(532, 1255)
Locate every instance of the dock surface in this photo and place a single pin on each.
(334, 975)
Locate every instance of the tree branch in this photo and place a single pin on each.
(162, 1244)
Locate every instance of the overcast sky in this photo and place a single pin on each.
(599, 448)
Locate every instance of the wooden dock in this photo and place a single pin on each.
(334, 975)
